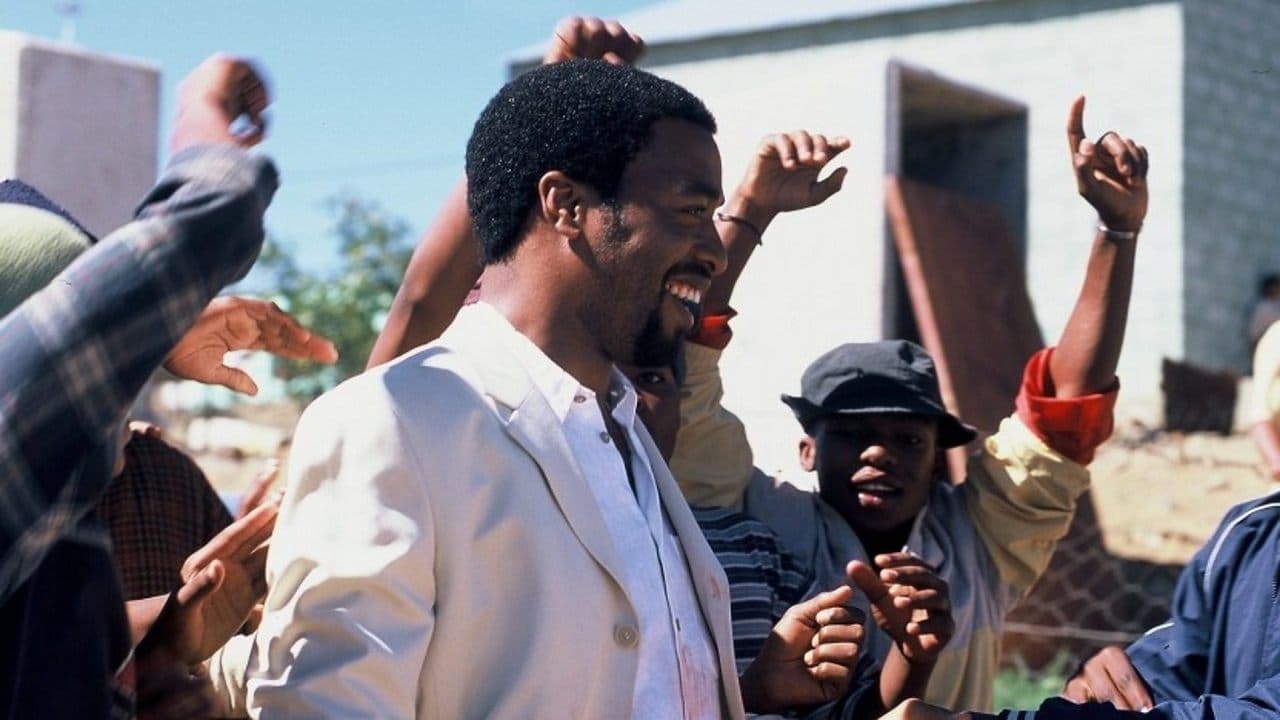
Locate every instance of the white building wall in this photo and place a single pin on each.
(819, 279)
(80, 127)
(1232, 117)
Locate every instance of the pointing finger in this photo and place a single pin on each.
(1075, 124)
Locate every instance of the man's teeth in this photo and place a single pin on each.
(687, 293)
(875, 487)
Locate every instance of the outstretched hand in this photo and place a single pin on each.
(1111, 173)
(222, 583)
(810, 656)
(236, 323)
(909, 602)
(589, 37)
(783, 174)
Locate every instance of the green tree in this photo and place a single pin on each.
(347, 304)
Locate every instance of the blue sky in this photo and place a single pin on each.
(373, 97)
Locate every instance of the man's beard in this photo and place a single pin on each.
(654, 347)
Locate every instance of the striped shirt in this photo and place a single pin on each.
(764, 580)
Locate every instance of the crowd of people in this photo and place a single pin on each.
(533, 503)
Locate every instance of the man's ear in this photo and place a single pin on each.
(561, 201)
(808, 453)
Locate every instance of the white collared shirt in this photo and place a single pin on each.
(678, 675)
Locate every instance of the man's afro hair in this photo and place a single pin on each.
(586, 118)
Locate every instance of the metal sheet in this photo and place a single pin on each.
(968, 294)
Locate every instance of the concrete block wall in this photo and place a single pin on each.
(79, 126)
(819, 280)
(1231, 169)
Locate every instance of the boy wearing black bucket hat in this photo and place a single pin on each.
(875, 429)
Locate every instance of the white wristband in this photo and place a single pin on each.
(1118, 234)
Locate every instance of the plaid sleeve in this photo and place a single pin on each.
(74, 355)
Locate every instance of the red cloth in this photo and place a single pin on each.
(713, 331)
(1074, 427)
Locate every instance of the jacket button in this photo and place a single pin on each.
(625, 635)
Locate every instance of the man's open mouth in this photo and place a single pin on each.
(689, 297)
(874, 493)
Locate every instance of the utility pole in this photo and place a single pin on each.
(69, 10)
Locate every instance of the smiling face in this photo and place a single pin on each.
(656, 247)
(875, 470)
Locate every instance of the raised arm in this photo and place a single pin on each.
(1111, 175)
(712, 460)
(782, 176)
(446, 264)
(74, 355)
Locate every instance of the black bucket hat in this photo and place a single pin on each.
(891, 376)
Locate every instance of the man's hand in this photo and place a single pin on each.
(909, 602)
(222, 582)
(809, 657)
(257, 492)
(783, 176)
(1109, 676)
(577, 37)
(215, 95)
(1110, 174)
(170, 691)
(236, 323)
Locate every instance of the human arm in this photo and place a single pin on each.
(74, 355)
(712, 460)
(1021, 491)
(912, 605)
(350, 610)
(1112, 177)
(781, 177)
(446, 264)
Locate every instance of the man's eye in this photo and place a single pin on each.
(910, 440)
(649, 378)
(697, 211)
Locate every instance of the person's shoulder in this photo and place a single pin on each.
(429, 385)
(730, 525)
(778, 489)
(1263, 510)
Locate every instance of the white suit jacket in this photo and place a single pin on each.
(440, 555)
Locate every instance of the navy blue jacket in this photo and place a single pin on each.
(1219, 656)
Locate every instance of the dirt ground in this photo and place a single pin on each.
(1160, 495)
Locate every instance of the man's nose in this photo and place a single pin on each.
(709, 250)
(876, 455)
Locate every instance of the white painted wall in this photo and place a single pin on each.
(818, 281)
(79, 126)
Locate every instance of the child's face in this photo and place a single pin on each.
(874, 469)
(659, 403)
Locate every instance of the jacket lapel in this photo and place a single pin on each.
(529, 420)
